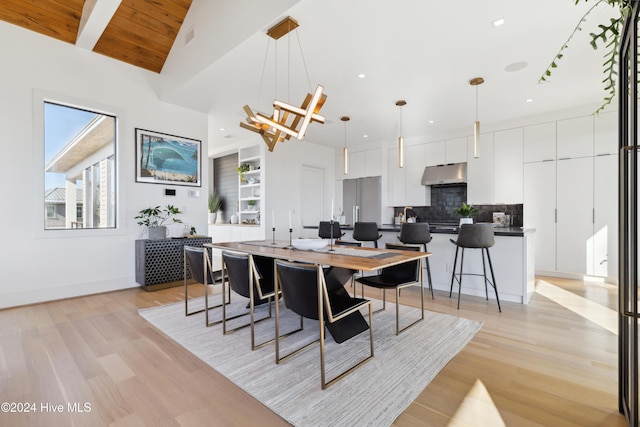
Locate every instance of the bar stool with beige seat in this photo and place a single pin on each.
(474, 236)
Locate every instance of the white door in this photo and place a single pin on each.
(312, 196)
(575, 215)
(540, 211)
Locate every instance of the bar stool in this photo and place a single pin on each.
(418, 233)
(474, 236)
(366, 232)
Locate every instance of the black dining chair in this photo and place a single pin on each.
(251, 277)
(304, 292)
(397, 277)
(418, 233)
(330, 230)
(198, 261)
(475, 236)
(366, 232)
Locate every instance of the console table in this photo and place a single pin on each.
(159, 263)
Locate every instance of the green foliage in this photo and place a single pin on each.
(214, 202)
(608, 37)
(465, 210)
(155, 217)
(244, 167)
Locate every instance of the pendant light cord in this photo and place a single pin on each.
(477, 103)
(304, 63)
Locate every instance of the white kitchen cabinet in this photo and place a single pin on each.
(356, 165)
(540, 211)
(456, 150)
(395, 180)
(435, 153)
(606, 133)
(361, 164)
(480, 172)
(575, 215)
(605, 227)
(508, 166)
(540, 142)
(575, 138)
(373, 162)
(414, 165)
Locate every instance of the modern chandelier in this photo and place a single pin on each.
(287, 120)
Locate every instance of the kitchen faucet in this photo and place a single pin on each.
(404, 214)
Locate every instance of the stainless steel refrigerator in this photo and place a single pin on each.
(362, 198)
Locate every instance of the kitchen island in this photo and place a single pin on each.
(512, 256)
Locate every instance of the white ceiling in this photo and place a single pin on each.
(423, 51)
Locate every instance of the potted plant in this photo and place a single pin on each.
(153, 220)
(214, 203)
(244, 167)
(251, 204)
(465, 211)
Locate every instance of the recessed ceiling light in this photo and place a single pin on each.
(221, 129)
(431, 121)
(497, 22)
(529, 100)
(516, 66)
(365, 136)
(361, 76)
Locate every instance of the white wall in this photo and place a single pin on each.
(282, 191)
(37, 265)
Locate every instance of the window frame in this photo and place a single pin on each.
(40, 97)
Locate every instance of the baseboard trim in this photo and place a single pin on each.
(34, 296)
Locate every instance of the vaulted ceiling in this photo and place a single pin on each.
(214, 56)
(139, 32)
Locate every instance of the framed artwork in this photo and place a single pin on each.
(167, 159)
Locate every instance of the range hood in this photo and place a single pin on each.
(453, 173)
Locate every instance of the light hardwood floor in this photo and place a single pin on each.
(550, 363)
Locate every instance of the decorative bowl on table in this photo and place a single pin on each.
(308, 244)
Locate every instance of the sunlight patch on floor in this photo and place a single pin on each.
(477, 409)
(598, 314)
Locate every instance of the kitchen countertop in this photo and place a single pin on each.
(447, 229)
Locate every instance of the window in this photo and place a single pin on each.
(79, 168)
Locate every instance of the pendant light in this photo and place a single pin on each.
(345, 152)
(401, 103)
(476, 125)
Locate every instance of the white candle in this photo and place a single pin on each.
(290, 223)
(273, 219)
(331, 216)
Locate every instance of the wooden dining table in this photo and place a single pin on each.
(354, 258)
(342, 262)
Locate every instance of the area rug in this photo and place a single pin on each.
(372, 395)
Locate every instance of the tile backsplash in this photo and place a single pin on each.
(446, 198)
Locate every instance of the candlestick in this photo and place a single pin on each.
(290, 233)
(273, 238)
(273, 219)
(290, 223)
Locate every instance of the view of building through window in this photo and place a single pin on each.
(79, 168)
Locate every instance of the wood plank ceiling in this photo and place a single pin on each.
(140, 33)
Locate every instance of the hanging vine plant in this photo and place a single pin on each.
(607, 37)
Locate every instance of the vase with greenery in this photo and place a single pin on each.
(465, 211)
(244, 167)
(251, 204)
(153, 220)
(214, 204)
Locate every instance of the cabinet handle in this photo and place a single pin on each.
(593, 217)
(555, 215)
(548, 160)
(564, 158)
